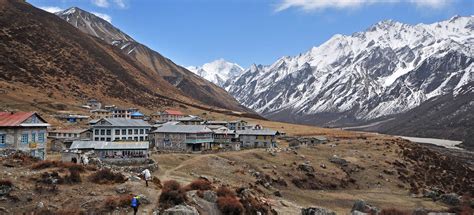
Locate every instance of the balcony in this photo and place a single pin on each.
(198, 140)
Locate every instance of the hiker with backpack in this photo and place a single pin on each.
(135, 203)
(147, 175)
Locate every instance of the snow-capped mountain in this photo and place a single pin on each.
(388, 69)
(218, 71)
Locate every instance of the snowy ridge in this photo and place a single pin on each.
(218, 71)
(388, 69)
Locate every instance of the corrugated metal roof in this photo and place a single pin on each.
(123, 122)
(8, 119)
(73, 131)
(216, 122)
(257, 132)
(102, 145)
(183, 129)
(190, 118)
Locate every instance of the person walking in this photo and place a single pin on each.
(135, 204)
(147, 175)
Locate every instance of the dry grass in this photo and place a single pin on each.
(46, 164)
(120, 201)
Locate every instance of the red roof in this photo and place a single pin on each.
(14, 119)
(173, 112)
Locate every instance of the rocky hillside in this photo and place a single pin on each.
(388, 69)
(190, 84)
(218, 72)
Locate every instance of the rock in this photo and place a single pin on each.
(316, 211)
(209, 196)
(5, 190)
(93, 193)
(430, 194)
(144, 199)
(121, 189)
(134, 178)
(450, 199)
(181, 210)
(40, 205)
(362, 206)
(322, 166)
(277, 193)
(273, 154)
(338, 160)
(305, 168)
(358, 213)
(4, 210)
(283, 203)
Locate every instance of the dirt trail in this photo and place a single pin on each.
(167, 173)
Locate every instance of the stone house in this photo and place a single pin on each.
(191, 120)
(237, 125)
(262, 138)
(120, 129)
(25, 131)
(167, 115)
(114, 152)
(182, 138)
(94, 104)
(63, 138)
(224, 138)
(100, 113)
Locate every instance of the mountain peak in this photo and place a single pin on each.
(217, 71)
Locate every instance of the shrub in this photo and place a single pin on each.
(6, 182)
(393, 211)
(225, 191)
(104, 176)
(45, 164)
(72, 166)
(121, 201)
(74, 177)
(172, 194)
(199, 184)
(230, 205)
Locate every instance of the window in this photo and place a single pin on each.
(96, 131)
(102, 139)
(41, 137)
(3, 139)
(124, 138)
(109, 132)
(147, 130)
(124, 131)
(108, 139)
(141, 131)
(33, 136)
(69, 135)
(136, 131)
(129, 138)
(135, 138)
(102, 131)
(96, 139)
(141, 138)
(117, 132)
(130, 131)
(24, 138)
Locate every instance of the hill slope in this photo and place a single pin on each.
(190, 84)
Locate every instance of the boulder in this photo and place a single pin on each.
(209, 196)
(181, 210)
(361, 206)
(5, 190)
(450, 199)
(144, 199)
(277, 193)
(338, 160)
(316, 211)
(306, 168)
(134, 178)
(121, 189)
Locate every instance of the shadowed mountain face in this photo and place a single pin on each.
(190, 84)
(40, 50)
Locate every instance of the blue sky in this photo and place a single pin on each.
(194, 32)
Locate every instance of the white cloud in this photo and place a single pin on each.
(51, 9)
(120, 3)
(104, 16)
(101, 3)
(309, 5)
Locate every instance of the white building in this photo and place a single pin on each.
(120, 129)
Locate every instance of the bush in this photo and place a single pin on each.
(105, 176)
(74, 177)
(230, 205)
(172, 194)
(393, 211)
(121, 201)
(5, 182)
(45, 164)
(199, 184)
(225, 191)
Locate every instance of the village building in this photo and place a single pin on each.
(182, 138)
(111, 152)
(237, 125)
(261, 138)
(93, 104)
(167, 115)
(100, 113)
(25, 131)
(191, 120)
(137, 115)
(122, 112)
(224, 138)
(120, 129)
(73, 118)
(63, 138)
(217, 122)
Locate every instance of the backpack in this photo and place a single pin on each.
(134, 202)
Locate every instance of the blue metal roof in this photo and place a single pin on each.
(137, 113)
